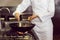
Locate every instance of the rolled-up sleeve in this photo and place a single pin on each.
(22, 7)
(46, 10)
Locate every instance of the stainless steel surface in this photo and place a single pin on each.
(2, 19)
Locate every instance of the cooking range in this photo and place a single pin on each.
(11, 29)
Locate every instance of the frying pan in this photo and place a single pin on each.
(24, 26)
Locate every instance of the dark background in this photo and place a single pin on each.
(56, 18)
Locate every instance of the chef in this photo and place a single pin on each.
(43, 11)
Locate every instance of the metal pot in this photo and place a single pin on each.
(22, 26)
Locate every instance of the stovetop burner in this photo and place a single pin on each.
(12, 35)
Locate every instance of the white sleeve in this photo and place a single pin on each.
(22, 7)
(45, 14)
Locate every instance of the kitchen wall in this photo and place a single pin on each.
(9, 2)
(56, 19)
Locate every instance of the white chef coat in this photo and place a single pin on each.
(45, 10)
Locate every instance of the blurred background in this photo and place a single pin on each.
(11, 4)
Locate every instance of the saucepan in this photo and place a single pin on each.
(22, 26)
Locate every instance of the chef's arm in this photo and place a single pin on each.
(21, 8)
(45, 12)
(17, 16)
(32, 17)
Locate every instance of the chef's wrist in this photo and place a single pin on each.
(32, 17)
(17, 16)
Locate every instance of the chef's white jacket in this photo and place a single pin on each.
(43, 8)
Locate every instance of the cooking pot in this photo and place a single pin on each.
(22, 26)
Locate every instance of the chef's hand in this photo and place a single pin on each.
(32, 17)
(17, 16)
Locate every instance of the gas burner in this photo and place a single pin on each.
(12, 35)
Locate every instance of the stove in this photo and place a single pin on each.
(17, 37)
(6, 33)
(10, 34)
